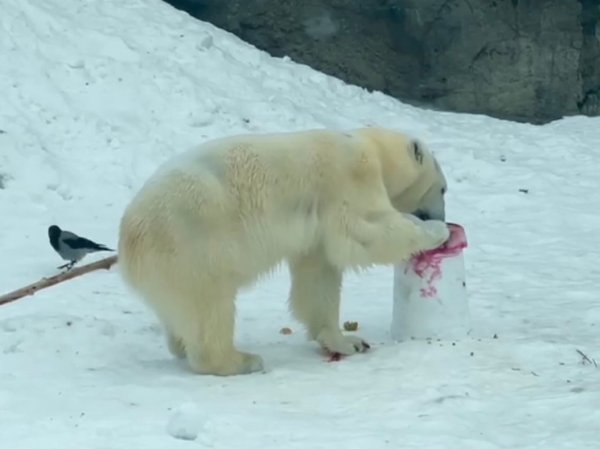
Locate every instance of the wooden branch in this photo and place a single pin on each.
(61, 277)
(585, 359)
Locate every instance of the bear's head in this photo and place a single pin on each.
(412, 176)
(425, 197)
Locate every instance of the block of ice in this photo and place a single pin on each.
(430, 295)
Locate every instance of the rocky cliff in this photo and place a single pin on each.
(526, 60)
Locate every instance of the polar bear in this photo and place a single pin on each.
(217, 217)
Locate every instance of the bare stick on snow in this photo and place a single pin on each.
(64, 276)
(585, 358)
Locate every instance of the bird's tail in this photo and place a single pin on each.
(100, 247)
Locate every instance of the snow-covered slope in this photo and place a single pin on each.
(95, 94)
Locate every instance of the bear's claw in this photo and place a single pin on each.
(365, 346)
(336, 356)
(336, 342)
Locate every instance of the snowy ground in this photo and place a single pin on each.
(95, 94)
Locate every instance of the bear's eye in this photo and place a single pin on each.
(443, 190)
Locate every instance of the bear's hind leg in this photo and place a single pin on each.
(175, 345)
(208, 335)
(315, 301)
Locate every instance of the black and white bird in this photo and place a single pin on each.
(71, 247)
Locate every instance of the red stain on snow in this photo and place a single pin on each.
(334, 357)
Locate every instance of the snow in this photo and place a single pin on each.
(186, 422)
(95, 94)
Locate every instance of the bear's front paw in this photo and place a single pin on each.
(437, 233)
(335, 342)
(230, 364)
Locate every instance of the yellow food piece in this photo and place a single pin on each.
(350, 325)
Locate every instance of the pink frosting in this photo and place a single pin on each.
(430, 261)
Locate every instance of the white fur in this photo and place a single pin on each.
(218, 217)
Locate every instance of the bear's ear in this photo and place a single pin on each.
(417, 151)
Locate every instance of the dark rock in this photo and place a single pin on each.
(526, 60)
